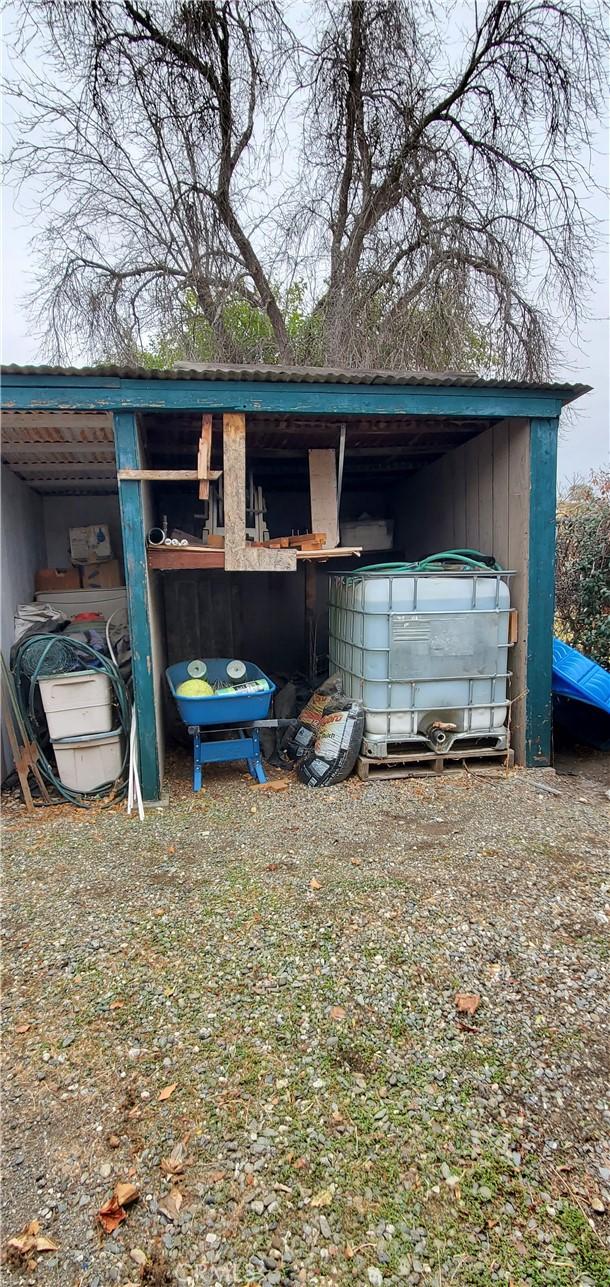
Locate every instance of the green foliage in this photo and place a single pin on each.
(583, 567)
(247, 328)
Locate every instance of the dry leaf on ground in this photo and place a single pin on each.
(170, 1205)
(167, 1091)
(113, 1212)
(23, 1027)
(30, 1239)
(467, 1002)
(322, 1199)
(126, 1193)
(111, 1215)
(314, 884)
(174, 1164)
(337, 1012)
(274, 784)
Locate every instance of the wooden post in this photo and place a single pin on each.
(128, 453)
(203, 457)
(240, 557)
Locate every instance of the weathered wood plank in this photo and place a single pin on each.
(238, 556)
(203, 456)
(323, 493)
(165, 475)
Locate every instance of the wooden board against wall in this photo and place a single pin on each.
(323, 492)
(238, 556)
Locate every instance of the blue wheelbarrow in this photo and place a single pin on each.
(224, 726)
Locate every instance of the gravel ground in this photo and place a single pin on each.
(289, 963)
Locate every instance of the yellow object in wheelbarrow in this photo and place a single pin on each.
(195, 688)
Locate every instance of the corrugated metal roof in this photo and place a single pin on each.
(60, 452)
(304, 375)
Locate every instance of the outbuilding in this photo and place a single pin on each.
(417, 462)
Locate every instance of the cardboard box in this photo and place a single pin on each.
(101, 576)
(90, 544)
(57, 579)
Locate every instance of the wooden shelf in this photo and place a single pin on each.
(167, 558)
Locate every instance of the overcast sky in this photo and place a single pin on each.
(585, 357)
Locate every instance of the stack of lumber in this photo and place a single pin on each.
(304, 541)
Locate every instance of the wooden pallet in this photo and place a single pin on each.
(428, 764)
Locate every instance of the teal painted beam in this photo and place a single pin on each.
(64, 393)
(136, 579)
(541, 590)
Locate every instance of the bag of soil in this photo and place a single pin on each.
(301, 738)
(336, 747)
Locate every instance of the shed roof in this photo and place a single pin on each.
(303, 375)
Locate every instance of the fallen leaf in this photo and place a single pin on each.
(314, 884)
(111, 1215)
(467, 1027)
(274, 784)
(174, 1164)
(467, 1002)
(215, 1177)
(167, 1091)
(23, 1027)
(170, 1206)
(322, 1199)
(45, 1244)
(30, 1239)
(116, 1005)
(337, 1012)
(125, 1194)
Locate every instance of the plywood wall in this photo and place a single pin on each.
(22, 553)
(478, 496)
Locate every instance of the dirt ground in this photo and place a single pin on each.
(248, 1007)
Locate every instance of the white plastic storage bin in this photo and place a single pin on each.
(86, 763)
(425, 653)
(77, 703)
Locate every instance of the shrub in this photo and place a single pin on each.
(582, 569)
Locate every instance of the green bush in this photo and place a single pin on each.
(582, 568)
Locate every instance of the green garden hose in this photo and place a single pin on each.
(34, 658)
(468, 558)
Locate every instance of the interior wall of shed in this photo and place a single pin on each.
(60, 513)
(23, 551)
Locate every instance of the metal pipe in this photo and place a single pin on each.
(156, 536)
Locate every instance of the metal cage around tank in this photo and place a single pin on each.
(427, 655)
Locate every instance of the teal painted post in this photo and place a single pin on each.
(541, 590)
(128, 456)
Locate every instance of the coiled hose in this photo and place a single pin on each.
(467, 558)
(35, 657)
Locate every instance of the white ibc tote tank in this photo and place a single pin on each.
(424, 647)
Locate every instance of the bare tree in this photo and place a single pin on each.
(433, 210)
